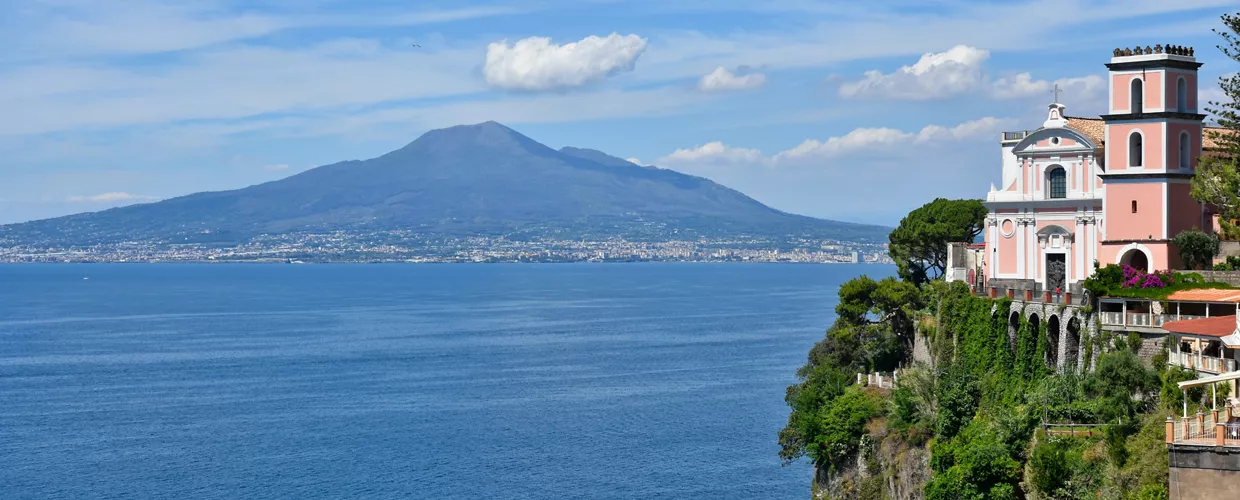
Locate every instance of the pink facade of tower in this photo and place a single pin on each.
(1113, 189)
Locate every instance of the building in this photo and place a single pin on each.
(1113, 189)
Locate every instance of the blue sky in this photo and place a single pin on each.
(850, 110)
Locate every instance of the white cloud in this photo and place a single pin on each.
(276, 167)
(109, 197)
(871, 141)
(890, 141)
(1085, 88)
(634, 161)
(537, 64)
(959, 71)
(714, 153)
(935, 75)
(722, 79)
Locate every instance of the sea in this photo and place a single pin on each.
(344, 381)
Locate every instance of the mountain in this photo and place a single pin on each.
(483, 179)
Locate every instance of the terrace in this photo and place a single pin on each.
(1151, 314)
(1218, 427)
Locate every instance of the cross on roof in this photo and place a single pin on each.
(1057, 90)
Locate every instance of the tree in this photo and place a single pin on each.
(1217, 182)
(919, 244)
(1197, 249)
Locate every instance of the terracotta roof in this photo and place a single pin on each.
(1218, 326)
(1208, 142)
(1093, 128)
(1206, 295)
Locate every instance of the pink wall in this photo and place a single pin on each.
(1183, 212)
(1173, 143)
(1152, 91)
(1158, 253)
(1063, 141)
(1007, 254)
(1122, 224)
(1117, 145)
(1190, 80)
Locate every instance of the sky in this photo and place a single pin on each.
(857, 111)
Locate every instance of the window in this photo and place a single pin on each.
(1185, 155)
(1181, 95)
(1134, 149)
(1057, 183)
(1134, 206)
(1137, 96)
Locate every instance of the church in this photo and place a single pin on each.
(1111, 189)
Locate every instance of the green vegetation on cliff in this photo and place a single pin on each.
(976, 409)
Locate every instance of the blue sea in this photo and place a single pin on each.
(225, 381)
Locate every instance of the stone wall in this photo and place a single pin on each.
(1151, 345)
(1203, 473)
(1230, 277)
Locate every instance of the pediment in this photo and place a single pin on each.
(1078, 141)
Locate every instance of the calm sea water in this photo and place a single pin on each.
(404, 381)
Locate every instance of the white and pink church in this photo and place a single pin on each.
(1112, 189)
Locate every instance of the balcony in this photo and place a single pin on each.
(1212, 428)
(1140, 319)
(1201, 363)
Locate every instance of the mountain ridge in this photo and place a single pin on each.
(469, 179)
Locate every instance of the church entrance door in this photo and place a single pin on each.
(1056, 272)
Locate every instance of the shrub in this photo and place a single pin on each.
(1197, 249)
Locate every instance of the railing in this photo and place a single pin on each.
(1231, 434)
(1014, 136)
(1112, 318)
(1202, 363)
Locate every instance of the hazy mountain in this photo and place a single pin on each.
(476, 179)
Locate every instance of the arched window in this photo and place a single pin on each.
(1134, 149)
(1181, 95)
(1185, 154)
(1056, 183)
(1137, 96)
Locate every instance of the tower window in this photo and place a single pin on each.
(1134, 206)
(1185, 155)
(1137, 96)
(1181, 95)
(1134, 149)
(1057, 183)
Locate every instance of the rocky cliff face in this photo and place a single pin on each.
(887, 467)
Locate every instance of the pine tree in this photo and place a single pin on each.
(1217, 182)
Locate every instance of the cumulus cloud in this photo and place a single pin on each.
(861, 140)
(536, 64)
(714, 153)
(935, 75)
(109, 198)
(871, 139)
(1023, 85)
(634, 161)
(959, 70)
(722, 79)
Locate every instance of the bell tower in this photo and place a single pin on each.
(1152, 137)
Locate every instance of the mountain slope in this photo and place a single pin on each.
(477, 179)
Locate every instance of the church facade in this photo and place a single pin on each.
(1111, 189)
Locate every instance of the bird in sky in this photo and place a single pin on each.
(416, 45)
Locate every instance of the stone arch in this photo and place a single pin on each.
(1136, 149)
(1135, 255)
(1072, 345)
(1053, 336)
(1186, 155)
(1181, 95)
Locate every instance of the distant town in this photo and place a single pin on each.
(400, 246)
